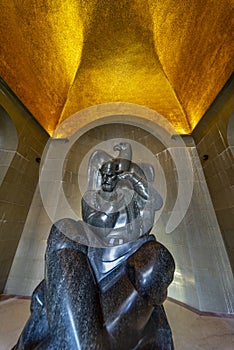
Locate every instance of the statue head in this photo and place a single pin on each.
(109, 175)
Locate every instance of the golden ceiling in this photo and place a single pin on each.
(173, 56)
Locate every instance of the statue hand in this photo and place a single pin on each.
(121, 146)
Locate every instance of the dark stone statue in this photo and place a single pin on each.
(106, 276)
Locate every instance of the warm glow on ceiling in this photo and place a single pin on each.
(171, 56)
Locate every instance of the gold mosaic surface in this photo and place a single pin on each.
(60, 56)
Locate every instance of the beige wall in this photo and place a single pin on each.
(214, 136)
(203, 277)
(202, 280)
(22, 141)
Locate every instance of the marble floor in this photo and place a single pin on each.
(190, 331)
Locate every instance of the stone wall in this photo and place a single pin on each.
(214, 137)
(203, 277)
(22, 141)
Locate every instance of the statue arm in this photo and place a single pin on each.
(143, 189)
(156, 199)
(139, 184)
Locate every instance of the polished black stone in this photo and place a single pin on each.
(106, 276)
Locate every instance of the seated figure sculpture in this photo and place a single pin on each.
(106, 276)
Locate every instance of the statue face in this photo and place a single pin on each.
(109, 176)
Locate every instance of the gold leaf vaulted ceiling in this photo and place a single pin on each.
(173, 56)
